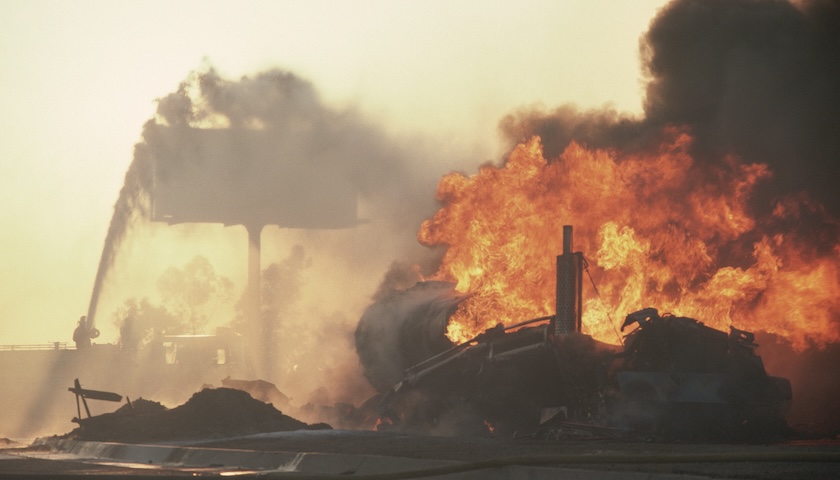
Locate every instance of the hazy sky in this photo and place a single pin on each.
(78, 80)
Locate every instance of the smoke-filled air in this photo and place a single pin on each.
(264, 151)
(717, 202)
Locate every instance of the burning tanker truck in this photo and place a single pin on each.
(674, 377)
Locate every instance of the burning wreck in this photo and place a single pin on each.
(674, 376)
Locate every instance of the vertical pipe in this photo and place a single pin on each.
(569, 285)
(261, 331)
(567, 239)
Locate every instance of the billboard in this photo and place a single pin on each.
(254, 177)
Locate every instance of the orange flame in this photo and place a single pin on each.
(490, 427)
(382, 423)
(657, 230)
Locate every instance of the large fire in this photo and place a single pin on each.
(656, 229)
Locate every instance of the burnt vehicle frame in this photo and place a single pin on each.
(674, 377)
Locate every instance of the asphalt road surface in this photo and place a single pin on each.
(463, 457)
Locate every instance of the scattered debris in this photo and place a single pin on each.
(84, 394)
(674, 378)
(681, 377)
(557, 431)
(210, 413)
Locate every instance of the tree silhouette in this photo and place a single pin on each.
(189, 292)
(139, 321)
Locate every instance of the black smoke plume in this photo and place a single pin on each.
(758, 79)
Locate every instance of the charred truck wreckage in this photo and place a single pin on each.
(674, 377)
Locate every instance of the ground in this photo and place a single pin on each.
(231, 419)
(784, 460)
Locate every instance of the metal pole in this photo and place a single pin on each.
(568, 299)
(260, 327)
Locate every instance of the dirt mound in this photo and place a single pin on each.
(9, 443)
(141, 406)
(210, 413)
(259, 389)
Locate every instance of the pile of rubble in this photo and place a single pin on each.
(210, 413)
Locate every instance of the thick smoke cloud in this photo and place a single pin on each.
(256, 121)
(298, 133)
(758, 79)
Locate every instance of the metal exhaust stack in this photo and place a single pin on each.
(569, 283)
